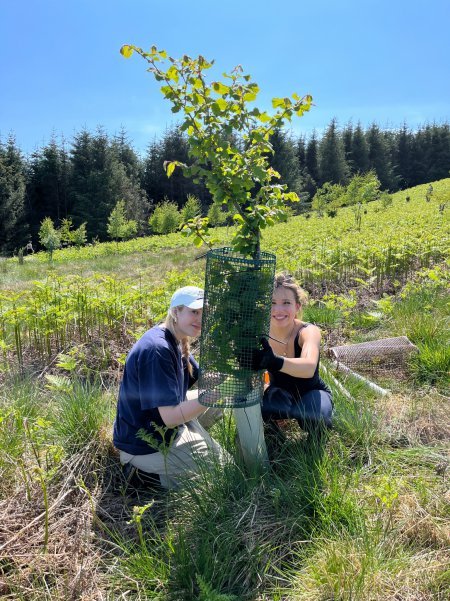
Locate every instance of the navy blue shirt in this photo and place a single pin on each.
(155, 375)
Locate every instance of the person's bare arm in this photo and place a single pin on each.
(305, 365)
(175, 415)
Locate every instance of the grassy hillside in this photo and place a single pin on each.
(362, 517)
(392, 239)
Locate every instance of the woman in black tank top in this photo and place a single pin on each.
(293, 362)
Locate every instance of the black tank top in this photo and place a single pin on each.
(298, 386)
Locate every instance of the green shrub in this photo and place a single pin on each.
(166, 218)
(49, 237)
(191, 208)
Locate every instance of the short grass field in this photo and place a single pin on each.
(362, 515)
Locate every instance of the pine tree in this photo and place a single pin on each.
(49, 237)
(166, 218)
(128, 178)
(347, 141)
(379, 157)
(284, 160)
(91, 190)
(191, 208)
(173, 147)
(402, 157)
(13, 227)
(125, 154)
(47, 182)
(439, 164)
(300, 151)
(312, 162)
(308, 186)
(420, 156)
(152, 173)
(332, 164)
(360, 151)
(99, 179)
(119, 227)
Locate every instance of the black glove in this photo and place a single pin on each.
(266, 358)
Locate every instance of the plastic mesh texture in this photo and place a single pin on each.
(236, 313)
(376, 355)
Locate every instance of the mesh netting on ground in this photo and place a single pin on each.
(236, 313)
(374, 356)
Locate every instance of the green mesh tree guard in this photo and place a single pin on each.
(236, 313)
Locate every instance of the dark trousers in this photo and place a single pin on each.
(313, 411)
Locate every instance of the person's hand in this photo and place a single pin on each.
(265, 358)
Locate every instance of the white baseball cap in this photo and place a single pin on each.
(189, 296)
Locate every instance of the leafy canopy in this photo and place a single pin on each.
(229, 141)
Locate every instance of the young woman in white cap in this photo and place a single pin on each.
(158, 372)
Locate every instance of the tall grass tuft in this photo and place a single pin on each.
(82, 411)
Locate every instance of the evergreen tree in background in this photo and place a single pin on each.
(151, 173)
(119, 227)
(128, 181)
(308, 186)
(402, 157)
(85, 183)
(439, 154)
(285, 161)
(332, 164)
(347, 138)
(47, 186)
(173, 147)
(300, 153)
(126, 155)
(359, 151)
(191, 208)
(379, 157)
(420, 156)
(102, 174)
(312, 162)
(49, 237)
(166, 218)
(13, 228)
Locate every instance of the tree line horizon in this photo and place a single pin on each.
(85, 181)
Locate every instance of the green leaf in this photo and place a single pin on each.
(170, 167)
(276, 102)
(220, 88)
(219, 105)
(126, 50)
(172, 74)
(264, 117)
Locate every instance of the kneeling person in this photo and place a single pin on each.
(158, 372)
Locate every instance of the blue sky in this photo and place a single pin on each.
(362, 60)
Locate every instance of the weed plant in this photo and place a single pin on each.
(82, 410)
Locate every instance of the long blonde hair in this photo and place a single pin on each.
(185, 341)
